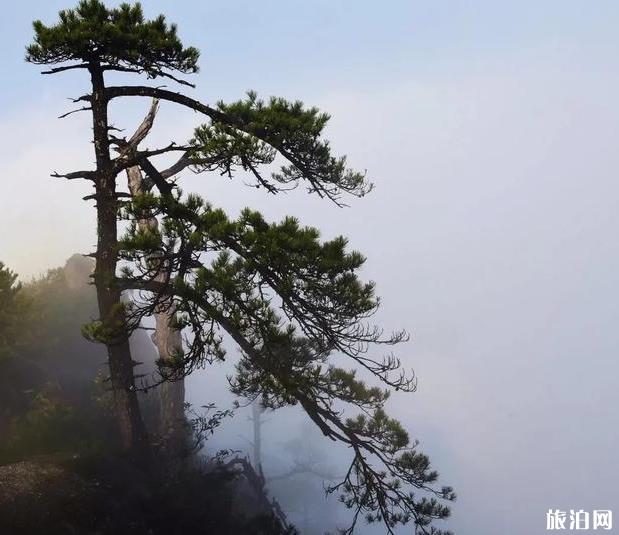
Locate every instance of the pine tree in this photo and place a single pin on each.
(289, 301)
(99, 40)
(15, 311)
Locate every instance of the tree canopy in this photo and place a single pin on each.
(116, 39)
(293, 304)
(15, 311)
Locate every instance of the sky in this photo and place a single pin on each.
(489, 130)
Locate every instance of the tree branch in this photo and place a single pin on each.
(305, 169)
(138, 70)
(124, 162)
(145, 126)
(129, 147)
(164, 94)
(86, 175)
(155, 176)
(183, 162)
(83, 108)
(65, 68)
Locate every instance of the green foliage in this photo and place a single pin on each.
(15, 311)
(109, 331)
(251, 261)
(115, 39)
(220, 147)
(250, 132)
(54, 427)
(60, 300)
(245, 273)
(203, 424)
(51, 403)
(53, 392)
(290, 301)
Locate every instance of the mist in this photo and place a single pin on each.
(491, 235)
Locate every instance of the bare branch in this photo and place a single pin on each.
(183, 162)
(83, 108)
(138, 70)
(83, 98)
(65, 68)
(129, 147)
(86, 175)
(124, 162)
(303, 468)
(118, 195)
(145, 126)
(172, 147)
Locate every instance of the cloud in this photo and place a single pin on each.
(491, 235)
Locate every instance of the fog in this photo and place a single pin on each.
(491, 234)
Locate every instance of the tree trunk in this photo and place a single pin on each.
(256, 416)
(173, 424)
(111, 311)
(168, 340)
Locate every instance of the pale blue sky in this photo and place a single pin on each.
(304, 46)
(491, 130)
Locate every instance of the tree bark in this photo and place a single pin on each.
(256, 417)
(168, 340)
(173, 424)
(111, 312)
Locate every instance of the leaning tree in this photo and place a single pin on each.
(289, 301)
